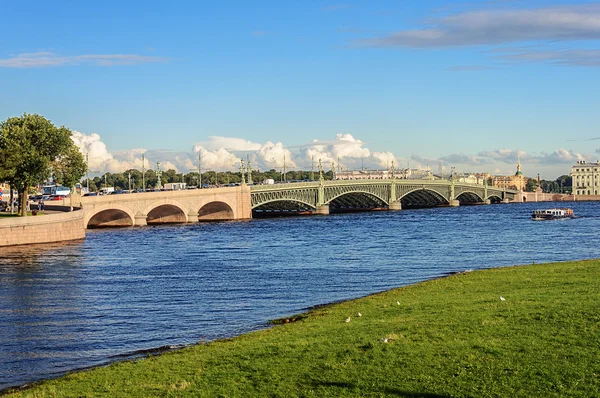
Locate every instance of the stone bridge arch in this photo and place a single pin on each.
(109, 215)
(214, 211)
(166, 211)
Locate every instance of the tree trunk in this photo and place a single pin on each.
(23, 200)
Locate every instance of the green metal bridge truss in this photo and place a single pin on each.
(365, 194)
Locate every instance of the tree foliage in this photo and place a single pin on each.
(29, 146)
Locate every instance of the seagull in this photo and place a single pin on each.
(502, 298)
(347, 319)
(397, 302)
(385, 339)
(359, 314)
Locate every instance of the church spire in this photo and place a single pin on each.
(518, 173)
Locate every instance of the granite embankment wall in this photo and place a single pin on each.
(53, 227)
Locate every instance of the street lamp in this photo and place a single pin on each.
(143, 174)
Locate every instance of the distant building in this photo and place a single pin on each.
(517, 181)
(477, 178)
(383, 174)
(585, 178)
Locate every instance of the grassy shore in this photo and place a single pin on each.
(450, 337)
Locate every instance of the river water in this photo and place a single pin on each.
(70, 306)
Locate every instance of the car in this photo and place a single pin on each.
(91, 194)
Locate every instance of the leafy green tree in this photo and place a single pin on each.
(28, 146)
(68, 169)
(565, 182)
(531, 185)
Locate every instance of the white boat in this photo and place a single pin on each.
(552, 214)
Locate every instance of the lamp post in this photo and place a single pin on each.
(129, 179)
(143, 174)
(158, 176)
(87, 171)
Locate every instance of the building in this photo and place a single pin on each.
(585, 178)
(383, 174)
(517, 181)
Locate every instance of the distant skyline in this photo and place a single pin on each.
(471, 84)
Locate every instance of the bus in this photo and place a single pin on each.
(56, 190)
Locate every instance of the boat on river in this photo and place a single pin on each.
(552, 214)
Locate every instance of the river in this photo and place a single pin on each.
(75, 305)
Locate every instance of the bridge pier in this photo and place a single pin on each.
(322, 210)
(394, 206)
(192, 217)
(487, 202)
(505, 201)
(454, 203)
(140, 220)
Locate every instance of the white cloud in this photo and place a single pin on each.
(48, 59)
(224, 153)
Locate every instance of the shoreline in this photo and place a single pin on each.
(136, 356)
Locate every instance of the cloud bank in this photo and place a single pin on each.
(566, 23)
(538, 34)
(345, 151)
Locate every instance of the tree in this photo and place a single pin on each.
(28, 146)
(68, 168)
(531, 185)
(565, 182)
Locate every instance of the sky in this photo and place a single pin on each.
(473, 85)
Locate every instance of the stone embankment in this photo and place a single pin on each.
(58, 225)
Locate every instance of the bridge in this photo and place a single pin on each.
(321, 197)
(163, 207)
(313, 197)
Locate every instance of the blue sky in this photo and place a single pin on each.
(470, 84)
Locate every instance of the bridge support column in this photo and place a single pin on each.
(322, 210)
(454, 203)
(505, 200)
(192, 217)
(487, 202)
(395, 206)
(140, 220)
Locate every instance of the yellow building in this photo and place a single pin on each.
(517, 181)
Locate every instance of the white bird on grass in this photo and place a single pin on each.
(359, 314)
(502, 298)
(397, 302)
(347, 319)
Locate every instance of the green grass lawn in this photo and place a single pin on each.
(450, 337)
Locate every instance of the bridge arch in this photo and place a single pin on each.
(422, 197)
(357, 199)
(165, 212)
(269, 205)
(215, 211)
(469, 197)
(110, 215)
(495, 199)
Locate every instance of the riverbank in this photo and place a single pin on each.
(453, 336)
(55, 224)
